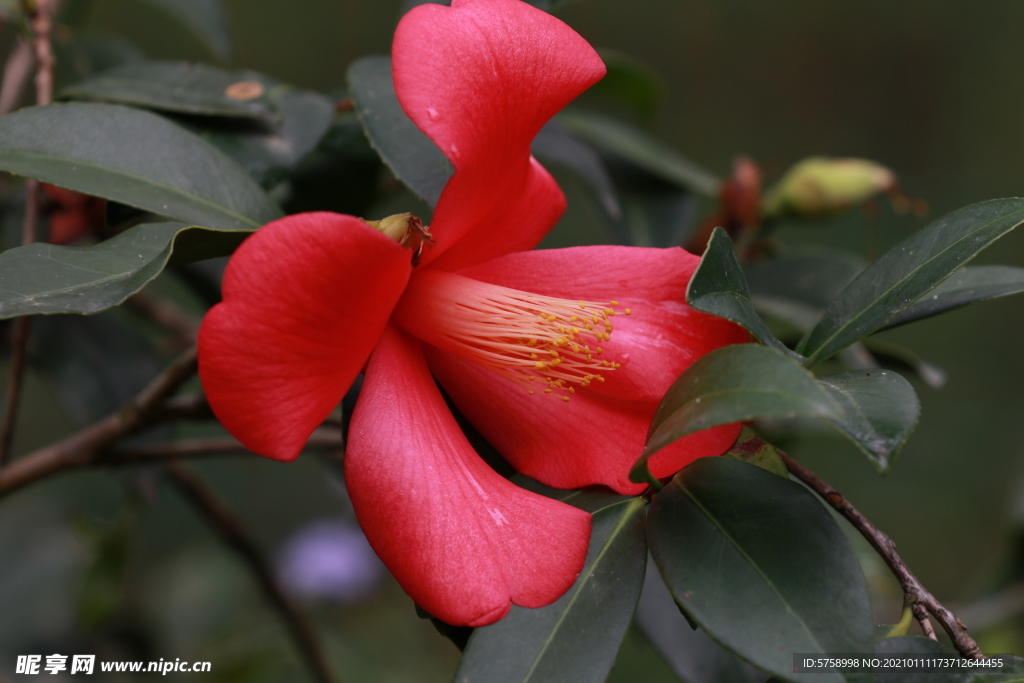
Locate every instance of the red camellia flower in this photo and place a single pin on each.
(559, 357)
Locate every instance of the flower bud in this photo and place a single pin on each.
(407, 230)
(822, 186)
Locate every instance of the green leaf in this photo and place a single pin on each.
(968, 285)
(907, 272)
(206, 19)
(751, 448)
(591, 498)
(642, 150)
(881, 410)
(411, 155)
(577, 637)
(136, 158)
(180, 87)
(719, 288)
(46, 278)
(758, 562)
(270, 153)
(734, 384)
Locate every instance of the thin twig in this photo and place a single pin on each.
(914, 593)
(86, 445)
(232, 534)
(42, 26)
(41, 20)
(926, 624)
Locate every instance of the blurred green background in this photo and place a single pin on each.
(932, 90)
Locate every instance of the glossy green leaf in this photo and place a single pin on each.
(640, 149)
(760, 564)
(881, 410)
(180, 87)
(270, 153)
(554, 144)
(908, 271)
(47, 278)
(577, 637)
(410, 154)
(751, 448)
(734, 384)
(968, 285)
(719, 288)
(206, 19)
(136, 158)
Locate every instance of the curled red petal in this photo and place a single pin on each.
(305, 300)
(480, 78)
(463, 542)
(591, 439)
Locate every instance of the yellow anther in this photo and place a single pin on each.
(599, 350)
(614, 303)
(565, 398)
(627, 311)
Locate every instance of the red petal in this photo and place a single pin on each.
(480, 78)
(305, 300)
(597, 273)
(591, 439)
(462, 541)
(660, 338)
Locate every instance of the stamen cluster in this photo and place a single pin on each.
(545, 343)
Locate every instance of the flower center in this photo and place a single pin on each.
(546, 344)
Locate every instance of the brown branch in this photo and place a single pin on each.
(914, 593)
(227, 527)
(42, 25)
(922, 618)
(41, 20)
(86, 445)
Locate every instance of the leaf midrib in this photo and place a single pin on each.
(689, 494)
